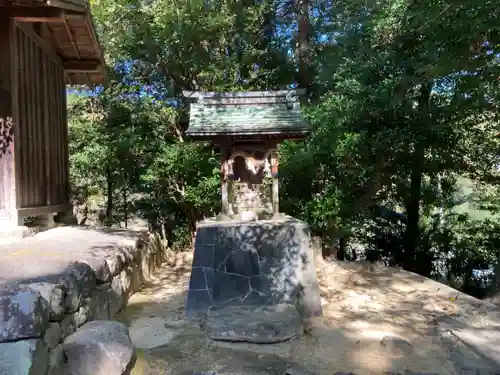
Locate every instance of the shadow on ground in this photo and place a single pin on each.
(376, 321)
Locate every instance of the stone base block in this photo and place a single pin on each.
(254, 324)
(265, 262)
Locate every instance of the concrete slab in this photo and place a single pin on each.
(482, 336)
(485, 342)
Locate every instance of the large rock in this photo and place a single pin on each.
(73, 295)
(25, 357)
(256, 324)
(135, 278)
(99, 348)
(126, 283)
(115, 296)
(68, 325)
(95, 307)
(23, 314)
(127, 254)
(115, 264)
(84, 276)
(52, 335)
(55, 295)
(56, 360)
(101, 269)
(100, 302)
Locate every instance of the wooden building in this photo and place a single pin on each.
(247, 127)
(44, 45)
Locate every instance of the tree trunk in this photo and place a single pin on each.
(125, 198)
(303, 46)
(125, 206)
(412, 234)
(268, 31)
(341, 249)
(85, 213)
(109, 202)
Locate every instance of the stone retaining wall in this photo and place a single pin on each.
(36, 317)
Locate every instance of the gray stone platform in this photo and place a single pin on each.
(263, 262)
(47, 255)
(57, 281)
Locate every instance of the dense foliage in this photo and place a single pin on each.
(402, 162)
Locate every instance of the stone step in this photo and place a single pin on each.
(261, 324)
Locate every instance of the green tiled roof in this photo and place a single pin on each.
(250, 115)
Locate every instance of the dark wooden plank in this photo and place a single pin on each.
(58, 100)
(38, 14)
(53, 176)
(60, 174)
(56, 139)
(53, 135)
(60, 113)
(31, 124)
(26, 125)
(24, 119)
(35, 188)
(67, 188)
(15, 106)
(28, 30)
(82, 66)
(46, 128)
(42, 188)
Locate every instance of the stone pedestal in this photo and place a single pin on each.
(264, 262)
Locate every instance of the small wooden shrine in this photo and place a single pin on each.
(247, 127)
(44, 45)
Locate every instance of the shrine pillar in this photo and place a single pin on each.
(224, 178)
(275, 186)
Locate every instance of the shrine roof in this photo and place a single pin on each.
(251, 113)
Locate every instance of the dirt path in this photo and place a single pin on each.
(376, 320)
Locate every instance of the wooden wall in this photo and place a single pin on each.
(39, 108)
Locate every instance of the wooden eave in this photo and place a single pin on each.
(67, 28)
(219, 139)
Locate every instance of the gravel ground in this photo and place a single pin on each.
(376, 320)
